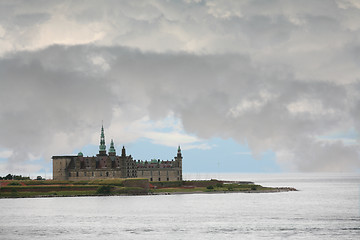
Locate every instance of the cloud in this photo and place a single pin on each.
(174, 138)
(53, 107)
(5, 153)
(275, 75)
(168, 132)
(41, 106)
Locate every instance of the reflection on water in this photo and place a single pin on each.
(326, 207)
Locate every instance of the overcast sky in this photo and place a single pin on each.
(279, 76)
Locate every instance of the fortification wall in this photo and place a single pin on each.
(159, 174)
(138, 182)
(90, 174)
(59, 168)
(153, 175)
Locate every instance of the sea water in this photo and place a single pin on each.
(325, 207)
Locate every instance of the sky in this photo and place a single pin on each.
(243, 86)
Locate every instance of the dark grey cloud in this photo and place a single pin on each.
(261, 28)
(30, 19)
(38, 102)
(69, 89)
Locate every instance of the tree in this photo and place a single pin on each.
(8, 177)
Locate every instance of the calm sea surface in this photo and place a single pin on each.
(326, 207)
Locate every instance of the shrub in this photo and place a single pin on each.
(15, 177)
(253, 188)
(210, 187)
(14, 184)
(219, 184)
(230, 188)
(104, 189)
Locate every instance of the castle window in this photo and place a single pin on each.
(84, 173)
(107, 174)
(167, 179)
(77, 174)
(150, 179)
(100, 174)
(92, 174)
(69, 174)
(159, 179)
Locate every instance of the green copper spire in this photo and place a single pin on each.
(102, 146)
(179, 150)
(112, 148)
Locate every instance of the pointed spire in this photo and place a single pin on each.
(102, 147)
(112, 148)
(178, 157)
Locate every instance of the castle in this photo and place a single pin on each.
(103, 166)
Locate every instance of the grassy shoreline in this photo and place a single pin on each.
(127, 187)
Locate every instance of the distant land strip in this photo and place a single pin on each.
(118, 187)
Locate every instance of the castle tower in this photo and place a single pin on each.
(112, 151)
(179, 158)
(123, 152)
(102, 146)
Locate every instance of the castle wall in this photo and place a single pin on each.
(91, 174)
(159, 174)
(144, 183)
(59, 167)
(153, 175)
